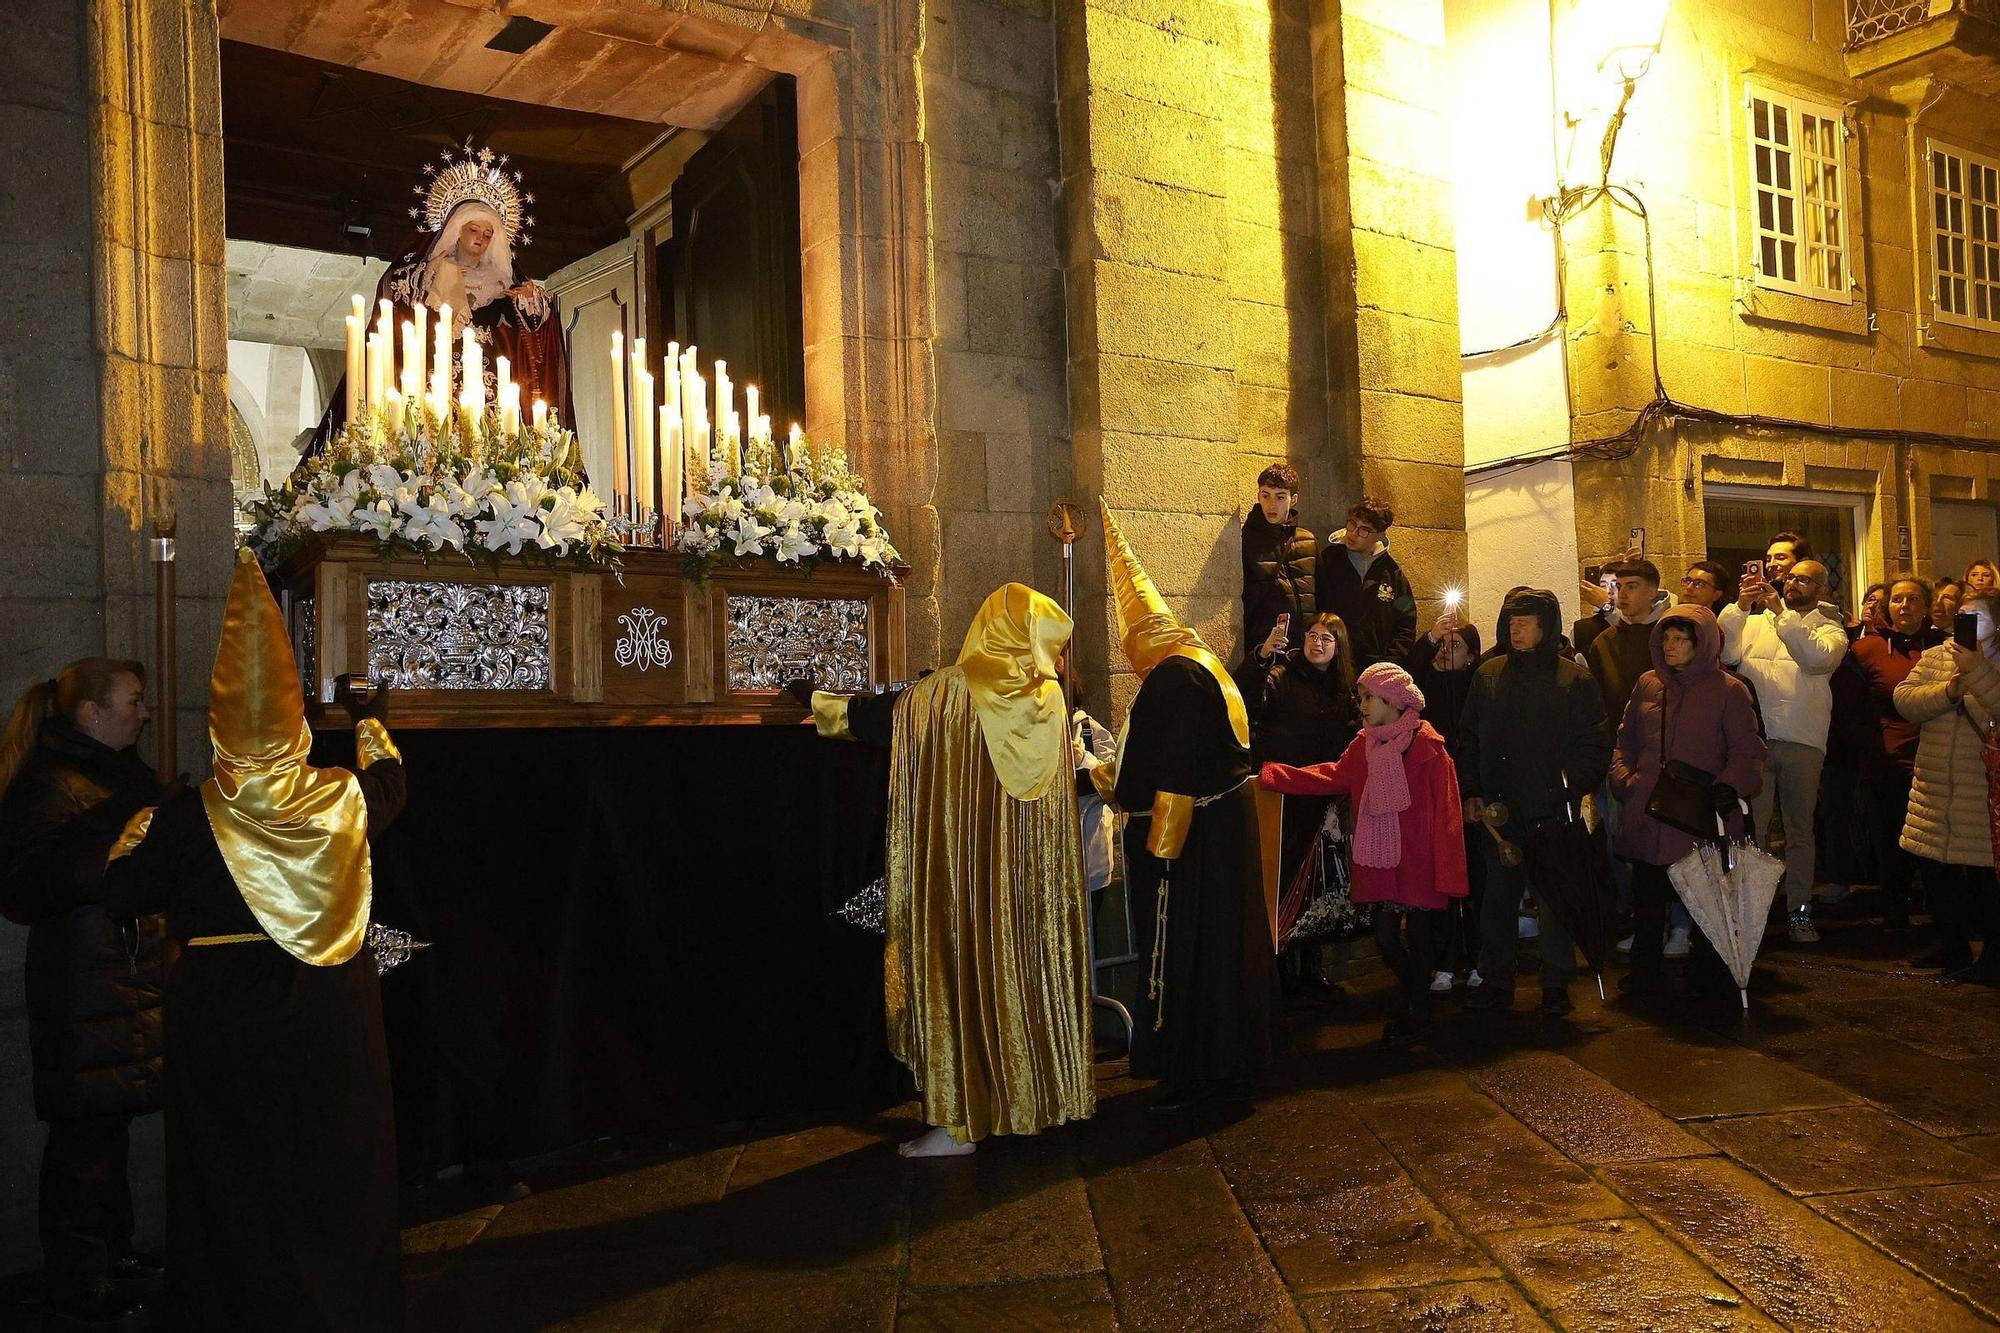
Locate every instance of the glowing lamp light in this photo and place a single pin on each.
(1629, 33)
(1454, 598)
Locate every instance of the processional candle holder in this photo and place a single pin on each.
(1065, 524)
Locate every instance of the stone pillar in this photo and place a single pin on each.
(1391, 276)
(1152, 385)
(157, 348)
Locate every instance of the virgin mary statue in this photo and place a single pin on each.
(473, 218)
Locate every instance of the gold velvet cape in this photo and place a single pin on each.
(986, 976)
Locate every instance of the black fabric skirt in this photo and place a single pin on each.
(1221, 979)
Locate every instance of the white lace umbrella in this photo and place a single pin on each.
(1728, 889)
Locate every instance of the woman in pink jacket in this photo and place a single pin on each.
(1409, 845)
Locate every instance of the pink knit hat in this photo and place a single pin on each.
(1391, 684)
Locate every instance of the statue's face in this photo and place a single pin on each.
(473, 238)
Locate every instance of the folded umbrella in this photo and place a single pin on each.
(1728, 888)
(1572, 879)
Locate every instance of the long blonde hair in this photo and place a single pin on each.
(86, 680)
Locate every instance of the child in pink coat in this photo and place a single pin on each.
(1409, 844)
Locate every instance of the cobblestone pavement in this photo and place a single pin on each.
(1832, 1161)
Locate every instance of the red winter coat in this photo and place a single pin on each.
(1433, 828)
(1711, 723)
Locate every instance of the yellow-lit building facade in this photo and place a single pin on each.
(1751, 285)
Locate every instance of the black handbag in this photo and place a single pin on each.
(1684, 796)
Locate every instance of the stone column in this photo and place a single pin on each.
(1391, 273)
(1153, 394)
(157, 347)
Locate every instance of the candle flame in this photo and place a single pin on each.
(1453, 598)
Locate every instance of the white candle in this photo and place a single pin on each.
(421, 319)
(510, 409)
(732, 435)
(376, 352)
(750, 408)
(670, 472)
(441, 364)
(764, 428)
(472, 362)
(392, 413)
(670, 398)
(795, 446)
(621, 485)
(541, 415)
(357, 366)
(409, 386)
(642, 431)
(725, 399)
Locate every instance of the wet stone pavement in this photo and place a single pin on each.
(1830, 1161)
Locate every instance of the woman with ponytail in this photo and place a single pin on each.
(69, 779)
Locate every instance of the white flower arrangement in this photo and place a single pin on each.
(426, 486)
(809, 510)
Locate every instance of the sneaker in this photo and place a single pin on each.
(1473, 981)
(1803, 930)
(1440, 982)
(1624, 946)
(1677, 942)
(1556, 1001)
(1529, 928)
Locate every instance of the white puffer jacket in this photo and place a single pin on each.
(1788, 658)
(1948, 819)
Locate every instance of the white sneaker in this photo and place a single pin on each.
(1624, 946)
(1440, 982)
(1529, 928)
(1473, 979)
(1803, 931)
(1677, 942)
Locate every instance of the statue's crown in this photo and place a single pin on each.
(481, 175)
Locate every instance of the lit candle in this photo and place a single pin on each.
(621, 480)
(670, 470)
(750, 408)
(670, 398)
(795, 446)
(357, 366)
(642, 433)
(441, 364)
(510, 409)
(413, 355)
(541, 416)
(421, 319)
(472, 363)
(392, 413)
(377, 350)
(732, 438)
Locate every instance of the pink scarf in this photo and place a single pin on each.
(1385, 794)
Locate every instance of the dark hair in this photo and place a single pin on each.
(86, 680)
(1373, 512)
(1280, 477)
(1890, 587)
(1801, 548)
(1982, 563)
(1942, 584)
(1344, 655)
(1637, 569)
(1725, 582)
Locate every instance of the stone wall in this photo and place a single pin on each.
(1724, 342)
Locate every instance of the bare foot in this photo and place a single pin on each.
(936, 1143)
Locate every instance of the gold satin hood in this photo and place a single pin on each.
(1148, 630)
(1009, 661)
(295, 837)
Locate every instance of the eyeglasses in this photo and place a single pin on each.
(1697, 583)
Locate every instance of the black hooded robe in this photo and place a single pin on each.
(1220, 969)
(281, 1137)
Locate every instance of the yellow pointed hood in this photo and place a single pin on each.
(1009, 661)
(295, 837)
(1149, 631)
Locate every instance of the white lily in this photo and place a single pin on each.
(563, 520)
(749, 535)
(795, 544)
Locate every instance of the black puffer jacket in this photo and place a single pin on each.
(1299, 714)
(1277, 578)
(93, 984)
(1533, 732)
(1378, 606)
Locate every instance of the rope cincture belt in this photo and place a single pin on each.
(1156, 978)
(253, 937)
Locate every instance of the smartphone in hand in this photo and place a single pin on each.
(1965, 630)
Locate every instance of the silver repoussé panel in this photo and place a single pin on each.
(425, 635)
(768, 641)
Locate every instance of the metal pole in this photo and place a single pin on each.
(166, 731)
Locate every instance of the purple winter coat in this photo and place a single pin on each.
(1713, 725)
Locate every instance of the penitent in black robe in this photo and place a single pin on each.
(281, 1138)
(1221, 994)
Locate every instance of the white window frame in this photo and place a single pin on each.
(1857, 507)
(1973, 223)
(1793, 193)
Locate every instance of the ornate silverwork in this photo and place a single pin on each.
(391, 947)
(426, 635)
(644, 643)
(768, 641)
(305, 642)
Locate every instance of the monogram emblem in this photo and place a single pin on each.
(644, 643)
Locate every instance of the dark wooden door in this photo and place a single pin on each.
(729, 275)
